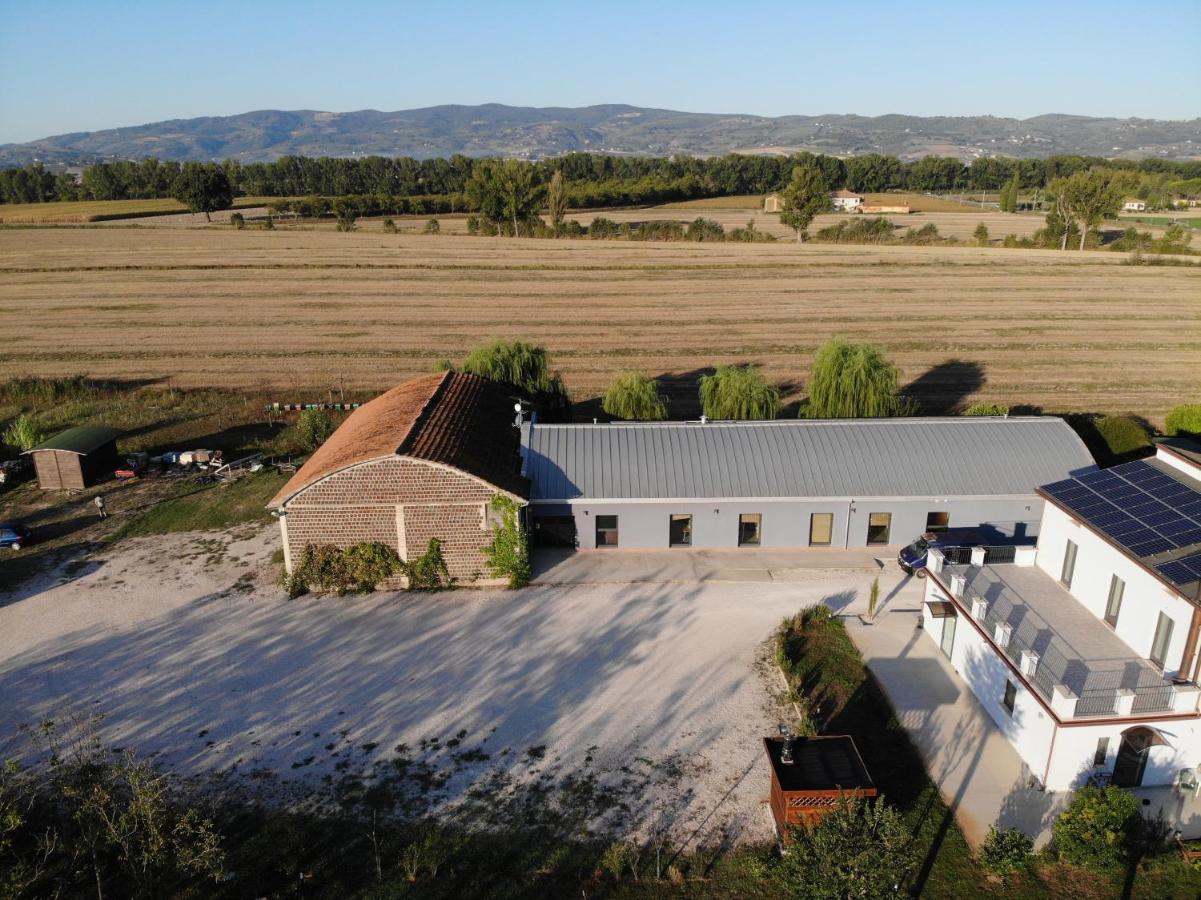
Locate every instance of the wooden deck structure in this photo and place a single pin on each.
(824, 770)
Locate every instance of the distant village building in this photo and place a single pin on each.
(76, 458)
(773, 203)
(900, 209)
(845, 200)
(1133, 204)
(420, 461)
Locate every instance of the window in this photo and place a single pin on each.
(680, 531)
(750, 529)
(1163, 637)
(1117, 587)
(821, 529)
(878, 526)
(938, 521)
(1102, 753)
(606, 531)
(1011, 696)
(1069, 564)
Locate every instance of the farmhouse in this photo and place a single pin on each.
(773, 203)
(1085, 651)
(789, 484)
(880, 208)
(76, 458)
(420, 461)
(846, 200)
(1133, 204)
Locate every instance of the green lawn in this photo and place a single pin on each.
(196, 506)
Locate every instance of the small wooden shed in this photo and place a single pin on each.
(76, 458)
(773, 203)
(823, 770)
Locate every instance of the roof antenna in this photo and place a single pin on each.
(704, 419)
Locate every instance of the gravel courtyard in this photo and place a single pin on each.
(639, 706)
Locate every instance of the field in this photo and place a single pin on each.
(287, 313)
(74, 212)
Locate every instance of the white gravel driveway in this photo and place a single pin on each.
(654, 691)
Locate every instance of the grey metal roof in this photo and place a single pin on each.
(912, 457)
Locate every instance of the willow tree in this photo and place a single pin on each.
(634, 397)
(521, 365)
(738, 392)
(853, 381)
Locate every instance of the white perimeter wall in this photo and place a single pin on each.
(1096, 563)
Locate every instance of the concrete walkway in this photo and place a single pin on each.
(617, 566)
(978, 772)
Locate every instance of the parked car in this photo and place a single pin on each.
(13, 535)
(912, 558)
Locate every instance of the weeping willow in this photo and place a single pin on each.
(521, 365)
(738, 392)
(634, 397)
(853, 381)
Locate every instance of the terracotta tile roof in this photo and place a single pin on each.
(455, 419)
(845, 193)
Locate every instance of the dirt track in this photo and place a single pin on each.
(288, 311)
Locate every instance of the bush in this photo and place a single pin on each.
(1005, 850)
(238, 221)
(1184, 420)
(509, 551)
(927, 234)
(857, 231)
(987, 409)
(389, 226)
(860, 849)
(433, 226)
(1096, 829)
(738, 392)
(1122, 434)
(981, 235)
(702, 229)
(428, 572)
(23, 434)
(750, 235)
(603, 229)
(635, 397)
(313, 428)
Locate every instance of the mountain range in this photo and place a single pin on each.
(531, 133)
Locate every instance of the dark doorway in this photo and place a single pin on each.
(680, 531)
(606, 531)
(1132, 756)
(555, 531)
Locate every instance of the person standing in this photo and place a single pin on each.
(100, 509)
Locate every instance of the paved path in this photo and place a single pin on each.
(977, 770)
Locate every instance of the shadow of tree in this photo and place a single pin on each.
(945, 388)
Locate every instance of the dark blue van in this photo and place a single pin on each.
(913, 557)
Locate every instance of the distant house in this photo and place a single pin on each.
(880, 209)
(422, 460)
(846, 201)
(76, 458)
(1133, 204)
(773, 203)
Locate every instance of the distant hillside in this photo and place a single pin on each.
(496, 130)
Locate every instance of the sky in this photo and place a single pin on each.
(83, 66)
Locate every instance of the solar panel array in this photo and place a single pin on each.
(1141, 508)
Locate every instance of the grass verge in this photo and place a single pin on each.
(207, 507)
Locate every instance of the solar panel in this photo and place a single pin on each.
(1182, 571)
(1151, 546)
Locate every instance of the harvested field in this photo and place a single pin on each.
(288, 311)
(81, 211)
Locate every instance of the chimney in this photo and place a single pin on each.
(1001, 634)
(979, 608)
(1029, 663)
(704, 420)
(958, 585)
(978, 556)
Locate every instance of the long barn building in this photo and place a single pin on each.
(789, 484)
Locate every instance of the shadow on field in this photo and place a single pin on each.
(944, 389)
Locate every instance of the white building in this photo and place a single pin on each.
(846, 201)
(1133, 204)
(1085, 650)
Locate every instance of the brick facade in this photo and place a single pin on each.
(400, 502)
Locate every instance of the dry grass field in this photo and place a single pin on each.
(287, 312)
(79, 211)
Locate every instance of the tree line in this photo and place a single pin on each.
(594, 179)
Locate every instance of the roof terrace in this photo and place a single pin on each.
(1071, 658)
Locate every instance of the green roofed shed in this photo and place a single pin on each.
(76, 458)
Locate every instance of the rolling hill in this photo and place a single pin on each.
(527, 132)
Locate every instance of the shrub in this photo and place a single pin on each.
(389, 226)
(238, 221)
(750, 235)
(572, 229)
(1005, 850)
(357, 569)
(857, 850)
(508, 553)
(927, 234)
(24, 433)
(1122, 434)
(857, 231)
(981, 235)
(1096, 829)
(702, 229)
(1184, 420)
(428, 572)
(635, 397)
(738, 392)
(987, 409)
(313, 428)
(433, 226)
(602, 228)
(268, 225)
